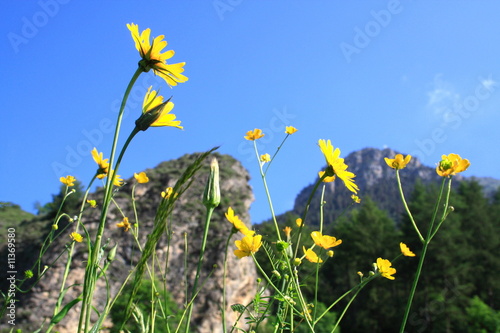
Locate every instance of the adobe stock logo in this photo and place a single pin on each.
(363, 37)
(32, 25)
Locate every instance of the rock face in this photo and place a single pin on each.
(186, 222)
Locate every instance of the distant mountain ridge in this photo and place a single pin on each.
(378, 181)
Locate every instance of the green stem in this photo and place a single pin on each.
(210, 210)
(224, 276)
(92, 265)
(406, 207)
(421, 260)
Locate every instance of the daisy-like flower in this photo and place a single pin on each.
(247, 246)
(311, 256)
(101, 162)
(156, 113)
(265, 158)
(327, 179)
(124, 224)
(152, 58)
(385, 269)
(290, 130)
(451, 165)
(237, 223)
(141, 177)
(117, 180)
(398, 162)
(254, 135)
(337, 166)
(405, 250)
(325, 241)
(76, 237)
(68, 180)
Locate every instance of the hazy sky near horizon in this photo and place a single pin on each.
(419, 77)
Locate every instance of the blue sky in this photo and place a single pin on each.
(419, 77)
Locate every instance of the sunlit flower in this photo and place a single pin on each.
(405, 250)
(254, 135)
(156, 113)
(385, 269)
(337, 165)
(287, 232)
(117, 180)
(247, 246)
(355, 198)
(325, 241)
(141, 177)
(290, 130)
(101, 162)
(92, 203)
(152, 58)
(398, 162)
(76, 237)
(451, 165)
(327, 179)
(124, 224)
(265, 158)
(68, 180)
(298, 222)
(311, 256)
(167, 193)
(237, 223)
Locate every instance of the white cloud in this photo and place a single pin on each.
(442, 97)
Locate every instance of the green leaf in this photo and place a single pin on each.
(58, 317)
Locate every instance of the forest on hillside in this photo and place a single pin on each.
(459, 289)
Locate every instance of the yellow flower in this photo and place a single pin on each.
(247, 246)
(156, 113)
(265, 158)
(76, 237)
(287, 232)
(330, 253)
(311, 256)
(298, 222)
(237, 223)
(324, 241)
(327, 179)
(141, 177)
(355, 198)
(385, 269)
(254, 135)
(92, 203)
(451, 165)
(290, 130)
(124, 224)
(405, 250)
(68, 180)
(101, 162)
(167, 193)
(152, 58)
(337, 165)
(117, 180)
(398, 162)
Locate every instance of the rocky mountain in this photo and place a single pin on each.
(187, 221)
(376, 180)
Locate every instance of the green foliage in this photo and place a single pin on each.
(482, 318)
(144, 304)
(11, 215)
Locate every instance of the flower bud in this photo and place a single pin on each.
(211, 196)
(112, 253)
(148, 118)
